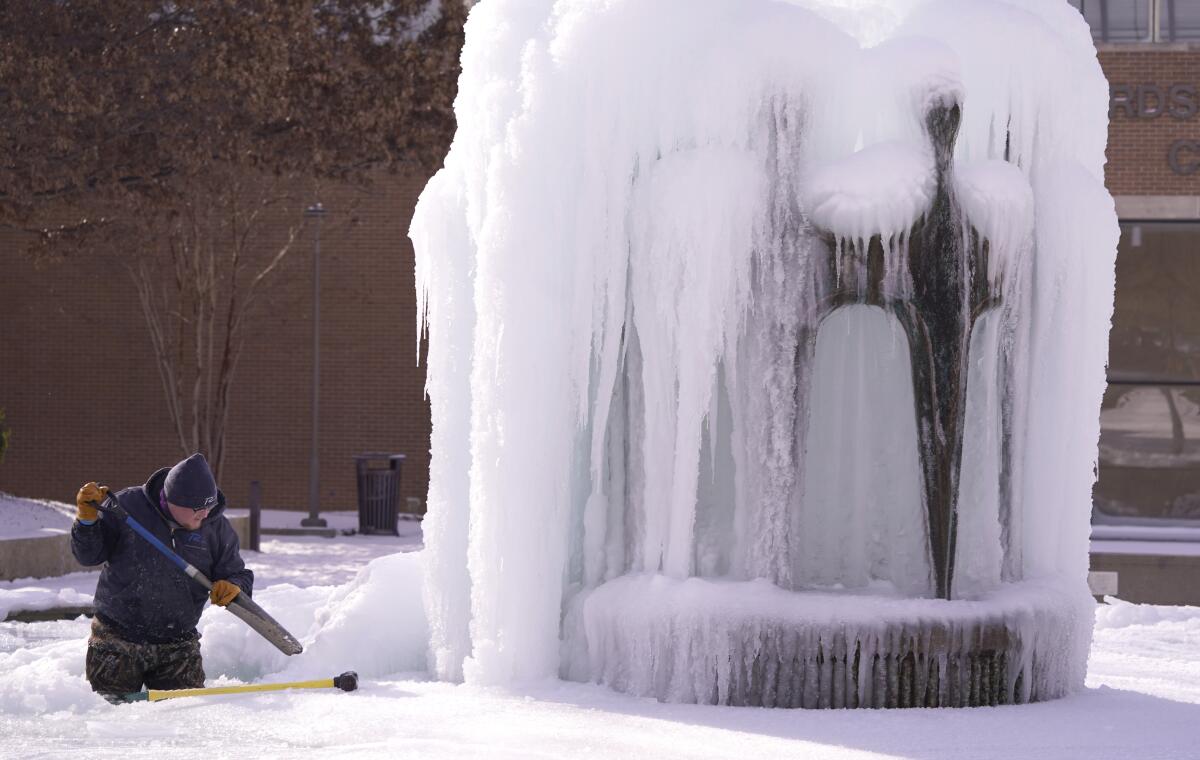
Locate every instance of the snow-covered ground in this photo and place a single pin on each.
(1142, 701)
(298, 560)
(33, 518)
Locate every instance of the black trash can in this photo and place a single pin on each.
(378, 492)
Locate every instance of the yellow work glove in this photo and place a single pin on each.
(223, 592)
(86, 500)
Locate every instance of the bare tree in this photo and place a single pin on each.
(163, 134)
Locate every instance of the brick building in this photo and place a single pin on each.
(1149, 455)
(84, 400)
(74, 420)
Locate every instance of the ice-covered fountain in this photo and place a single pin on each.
(766, 349)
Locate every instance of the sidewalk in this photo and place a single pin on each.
(316, 561)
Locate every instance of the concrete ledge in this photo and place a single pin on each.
(320, 532)
(50, 556)
(44, 557)
(1147, 47)
(1148, 208)
(1153, 578)
(241, 526)
(52, 613)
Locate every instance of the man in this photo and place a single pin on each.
(144, 631)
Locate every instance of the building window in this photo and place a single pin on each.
(1141, 20)
(1150, 418)
(1179, 20)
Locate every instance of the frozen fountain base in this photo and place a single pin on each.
(750, 643)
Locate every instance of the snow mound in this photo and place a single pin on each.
(33, 518)
(45, 676)
(71, 590)
(1117, 613)
(374, 625)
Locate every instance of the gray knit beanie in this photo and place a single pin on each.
(190, 484)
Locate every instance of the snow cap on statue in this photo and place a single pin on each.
(190, 484)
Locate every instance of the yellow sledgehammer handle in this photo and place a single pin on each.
(154, 695)
(347, 681)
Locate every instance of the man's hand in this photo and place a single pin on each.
(86, 500)
(223, 592)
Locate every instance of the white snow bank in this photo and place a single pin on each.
(233, 650)
(33, 518)
(71, 590)
(1149, 648)
(1167, 547)
(1142, 701)
(1117, 613)
(45, 675)
(374, 625)
(296, 560)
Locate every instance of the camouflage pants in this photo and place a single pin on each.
(116, 667)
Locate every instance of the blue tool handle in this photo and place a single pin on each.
(166, 550)
(242, 606)
(112, 507)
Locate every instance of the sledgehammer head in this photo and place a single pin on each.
(347, 681)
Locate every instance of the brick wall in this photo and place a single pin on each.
(1138, 146)
(84, 400)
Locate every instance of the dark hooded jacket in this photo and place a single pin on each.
(141, 593)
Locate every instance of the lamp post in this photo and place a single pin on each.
(316, 212)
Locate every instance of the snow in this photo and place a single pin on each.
(298, 561)
(1142, 697)
(1142, 700)
(1156, 548)
(629, 270)
(353, 597)
(342, 521)
(880, 189)
(1187, 531)
(374, 625)
(645, 410)
(649, 635)
(71, 590)
(999, 201)
(33, 518)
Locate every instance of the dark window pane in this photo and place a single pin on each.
(1181, 20)
(1156, 322)
(1150, 420)
(1149, 452)
(1118, 20)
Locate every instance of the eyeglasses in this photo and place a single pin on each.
(196, 510)
(162, 499)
